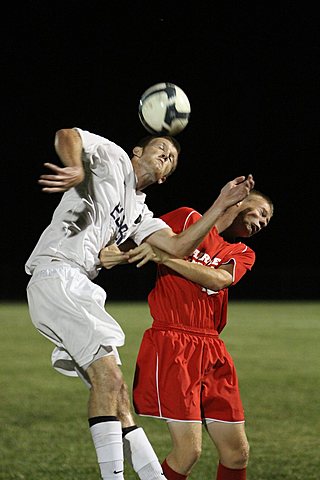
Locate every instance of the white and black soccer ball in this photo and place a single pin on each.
(164, 109)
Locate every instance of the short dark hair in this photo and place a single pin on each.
(145, 140)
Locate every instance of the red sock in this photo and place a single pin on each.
(225, 473)
(171, 474)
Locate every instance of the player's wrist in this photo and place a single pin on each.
(218, 207)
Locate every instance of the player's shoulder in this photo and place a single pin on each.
(94, 138)
(242, 248)
(238, 246)
(181, 217)
(101, 147)
(183, 212)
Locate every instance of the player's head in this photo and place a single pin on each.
(255, 213)
(154, 159)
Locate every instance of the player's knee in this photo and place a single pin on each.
(235, 455)
(104, 374)
(195, 454)
(188, 455)
(238, 458)
(242, 456)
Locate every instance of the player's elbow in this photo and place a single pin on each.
(62, 134)
(169, 242)
(65, 135)
(221, 280)
(179, 249)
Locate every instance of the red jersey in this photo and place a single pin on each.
(178, 302)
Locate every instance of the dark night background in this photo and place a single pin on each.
(251, 71)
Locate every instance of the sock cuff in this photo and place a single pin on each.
(138, 450)
(94, 420)
(169, 473)
(126, 430)
(231, 473)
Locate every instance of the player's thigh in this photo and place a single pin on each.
(228, 436)
(186, 436)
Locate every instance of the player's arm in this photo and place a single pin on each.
(184, 243)
(208, 277)
(68, 146)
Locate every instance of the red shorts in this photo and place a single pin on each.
(186, 376)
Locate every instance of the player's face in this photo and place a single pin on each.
(255, 215)
(160, 157)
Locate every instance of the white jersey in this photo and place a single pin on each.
(104, 209)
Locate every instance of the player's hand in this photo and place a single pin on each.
(145, 253)
(236, 190)
(111, 256)
(63, 178)
(159, 256)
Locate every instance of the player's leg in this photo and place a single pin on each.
(186, 449)
(233, 448)
(137, 449)
(156, 374)
(68, 308)
(106, 379)
(223, 411)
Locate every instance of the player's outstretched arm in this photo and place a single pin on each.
(68, 145)
(183, 244)
(208, 277)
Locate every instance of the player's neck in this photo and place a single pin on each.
(228, 236)
(143, 178)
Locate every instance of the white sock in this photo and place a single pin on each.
(107, 439)
(152, 471)
(141, 456)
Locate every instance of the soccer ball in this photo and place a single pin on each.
(164, 109)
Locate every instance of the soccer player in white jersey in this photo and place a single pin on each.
(103, 204)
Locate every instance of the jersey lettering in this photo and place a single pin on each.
(204, 258)
(215, 261)
(119, 219)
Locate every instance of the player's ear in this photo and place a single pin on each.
(137, 151)
(162, 180)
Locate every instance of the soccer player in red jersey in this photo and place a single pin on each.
(184, 373)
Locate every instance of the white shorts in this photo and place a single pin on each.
(68, 308)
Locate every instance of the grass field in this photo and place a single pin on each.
(275, 345)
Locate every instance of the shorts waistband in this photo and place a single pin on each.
(186, 328)
(50, 268)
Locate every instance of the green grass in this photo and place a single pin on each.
(275, 345)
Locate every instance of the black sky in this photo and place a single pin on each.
(251, 71)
